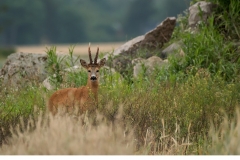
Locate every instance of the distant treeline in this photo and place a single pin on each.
(76, 21)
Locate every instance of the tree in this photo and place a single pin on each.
(138, 17)
(21, 24)
(50, 21)
(71, 27)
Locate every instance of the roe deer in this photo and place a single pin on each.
(79, 98)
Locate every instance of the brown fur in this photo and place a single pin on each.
(81, 98)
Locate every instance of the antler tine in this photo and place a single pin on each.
(89, 52)
(96, 57)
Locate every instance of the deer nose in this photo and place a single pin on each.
(93, 78)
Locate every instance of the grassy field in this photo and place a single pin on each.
(78, 50)
(189, 107)
(148, 116)
(179, 110)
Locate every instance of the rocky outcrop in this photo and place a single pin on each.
(152, 40)
(21, 68)
(199, 12)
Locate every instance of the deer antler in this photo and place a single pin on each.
(96, 57)
(90, 56)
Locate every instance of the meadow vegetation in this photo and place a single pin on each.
(190, 106)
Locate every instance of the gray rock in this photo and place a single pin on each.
(147, 66)
(172, 49)
(128, 45)
(151, 41)
(138, 66)
(21, 68)
(47, 84)
(153, 61)
(196, 16)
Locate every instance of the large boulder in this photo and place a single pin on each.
(151, 41)
(199, 12)
(20, 68)
(23, 68)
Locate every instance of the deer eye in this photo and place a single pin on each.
(97, 71)
(89, 70)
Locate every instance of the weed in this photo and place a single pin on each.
(186, 107)
(54, 66)
(206, 49)
(65, 135)
(18, 103)
(225, 136)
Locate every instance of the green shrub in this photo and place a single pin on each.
(193, 103)
(205, 49)
(227, 19)
(6, 51)
(57, 64)
(18, 103)
(160, 114)
(54, 66)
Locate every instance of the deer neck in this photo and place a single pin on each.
(93, 86)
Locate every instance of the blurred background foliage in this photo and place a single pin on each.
(24, 22)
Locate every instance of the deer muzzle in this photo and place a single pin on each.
(93, 78)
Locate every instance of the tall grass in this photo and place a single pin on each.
(19, 102)
(188, 107)
(65, 135)
(160, 117)
(225, 137)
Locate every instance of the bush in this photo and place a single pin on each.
(164, 118)
(180, 109)
(193, 103)
(227, 18)
(6, 51)
(18, 103)
(204, 50)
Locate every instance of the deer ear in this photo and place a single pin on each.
(102, 62)
(83, 63)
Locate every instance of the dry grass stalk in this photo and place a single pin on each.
(225, 138)
(64, 135)
(166, 144)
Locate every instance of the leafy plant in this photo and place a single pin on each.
(205, 49)
(23, 102)
(227, 18)
(54, 66)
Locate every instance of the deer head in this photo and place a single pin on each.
(93, 67)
